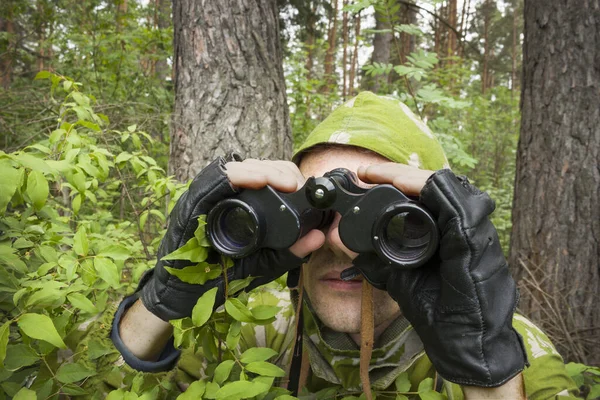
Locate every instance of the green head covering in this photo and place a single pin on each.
(381, 124)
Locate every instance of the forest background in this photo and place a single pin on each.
(88, 119)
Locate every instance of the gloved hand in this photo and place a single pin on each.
(165, 295)
(461, 303)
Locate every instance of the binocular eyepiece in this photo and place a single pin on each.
(380, 219)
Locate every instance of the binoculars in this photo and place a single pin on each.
(382, 219)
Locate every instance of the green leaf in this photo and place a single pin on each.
(238, 310)
(11, 180)
(37, 189)
(594, 392)
(204, 307)
(233, 334)
(107, 271)
(222, 371)
(83, 303)
(263, 312)
(38, 326)
(73, 390)
(211, 390)
(33, 163)
(80, 99)
(19, 356)
(401, 397)
(196, 274)
(402, 383)
(265, 369)
(25, 394)
(22, 243)
(239, 284)
(194, 391)
(241, 390)
(431, 395)
(43, 75)
(254, 354)
(190, 251)
(425, 385)
(116, 252)
(73, 372)
(4, 332)
(80, 242)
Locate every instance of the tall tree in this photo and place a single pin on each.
(555, 244)
(382, 41)
(229, 85)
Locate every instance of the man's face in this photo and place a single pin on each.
(337, 303)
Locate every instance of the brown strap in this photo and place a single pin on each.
(297, 359)
(304, 370)
(366, 337)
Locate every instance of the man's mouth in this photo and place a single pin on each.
(333, 281)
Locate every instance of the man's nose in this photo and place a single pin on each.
(334, 242)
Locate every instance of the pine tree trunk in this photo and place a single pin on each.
(452, 21)
(6, 57)
(229, 85)
(330, 55)
(163, 13)
(381, 54)
(345, 49)
(555, 245)
(354, 62)
(486, 47)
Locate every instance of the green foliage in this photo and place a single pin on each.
(586, 378)
(75, 225)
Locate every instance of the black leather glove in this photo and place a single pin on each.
(165, 295)
(461, 303)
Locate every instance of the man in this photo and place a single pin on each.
(459, 305)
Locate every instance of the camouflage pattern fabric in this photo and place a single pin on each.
(381, 124)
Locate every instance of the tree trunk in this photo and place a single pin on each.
(330, 55)
(163, 13)
(486, 47)
(452, 21)
(229, 85)
(513, 75)
(6, 57)
(354, 62)
(345, 49)
(381, 54)
(556, 218)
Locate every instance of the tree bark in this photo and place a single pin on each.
(452, 21)
(381, 54)
(486, 46)
(229, 85)
(162, 20)
(345, 49)
(354, 62)
(556, 218)
(6, 58)
(330, 54)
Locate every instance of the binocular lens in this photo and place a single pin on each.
(233, 228)
(406, 237)
(238, 227)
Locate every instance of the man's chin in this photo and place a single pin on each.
(338, 310)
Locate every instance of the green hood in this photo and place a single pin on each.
(381, 124)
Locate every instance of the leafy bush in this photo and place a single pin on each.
(80, 221)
